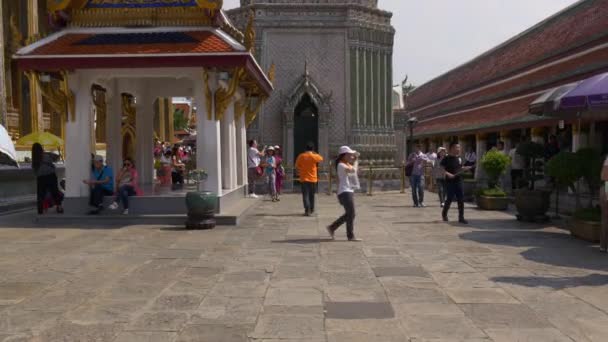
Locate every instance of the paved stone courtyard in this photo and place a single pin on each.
(278, 278)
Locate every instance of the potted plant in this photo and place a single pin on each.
(201, 205)
(568, 169)
(532, 203)
(494, 163)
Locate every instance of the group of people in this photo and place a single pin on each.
(448, 168)
(268, 164)
(101, 182)
(170, 163)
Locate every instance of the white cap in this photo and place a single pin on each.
(277, 147)
(346, 149)
(270, 148)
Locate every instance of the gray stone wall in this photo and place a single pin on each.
(348, 48)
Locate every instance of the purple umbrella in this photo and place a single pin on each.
(592, 93)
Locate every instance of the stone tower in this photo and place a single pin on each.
(333, 81)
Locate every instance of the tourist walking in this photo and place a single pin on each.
(270, 165)
(348, 182)
(418, 161)
(101, 183)
(164, 170)
(253, 166)
(439, 175)
(307, 165)
(126, 185)
(604, 205)
(280, 170)
(43, 164)
(517, 167)
(453, 168)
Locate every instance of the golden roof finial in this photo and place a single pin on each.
(272, 72)
(250, 33)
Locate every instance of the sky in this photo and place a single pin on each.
(435, 36)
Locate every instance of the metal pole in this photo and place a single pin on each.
(402, 177)
(330, 176)
(370, 179)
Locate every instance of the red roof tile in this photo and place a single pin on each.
(80, 44)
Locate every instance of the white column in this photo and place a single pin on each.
(228, 136)
(144, 140)
(480, 151)
(208, 150)
(113, 126)
(77, 138)
(241, 151)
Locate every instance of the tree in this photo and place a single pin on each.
(180, 122)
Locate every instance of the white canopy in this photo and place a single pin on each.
(8, 155)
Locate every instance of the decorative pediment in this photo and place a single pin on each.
(307, 86)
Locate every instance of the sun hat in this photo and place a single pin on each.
(346, 149)
(98, 158)
(277, 147)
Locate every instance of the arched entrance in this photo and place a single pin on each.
(306, 125)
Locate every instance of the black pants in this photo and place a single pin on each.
(308, 196)
(47, 184)
(454, 190)
(347, 200)
(177, 177)
(516, 175)
(441, 189)
(97, 194)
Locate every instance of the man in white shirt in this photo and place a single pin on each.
(604, 205)
(253, 162)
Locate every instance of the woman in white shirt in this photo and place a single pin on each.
(348, 182)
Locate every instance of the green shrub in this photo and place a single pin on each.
(493, 192)
(494, 163)
(590, 162)
(564, 168)
(589, 214)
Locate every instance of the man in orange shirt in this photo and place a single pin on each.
(307, 164)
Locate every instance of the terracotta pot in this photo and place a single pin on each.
(585, 230)
(201, 206)
(492, 203)
(532, 205)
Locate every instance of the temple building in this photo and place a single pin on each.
(489, 98)
(334, 75)
(107, 70)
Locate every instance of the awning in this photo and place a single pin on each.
(548, 103)
(590, 94)
(154, 47)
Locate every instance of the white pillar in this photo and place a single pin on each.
(77, 138)
(208, 151)
(228, 148)
(241, 151)
(482, 148)
(113, 126)
(144, 139)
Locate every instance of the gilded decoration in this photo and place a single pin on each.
(250, 33)
(239, 109)
(223, 96)
(98, 94)
(69, 95)
(271, 73)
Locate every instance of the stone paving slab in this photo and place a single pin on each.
(278, 277)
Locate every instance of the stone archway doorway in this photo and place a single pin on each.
(306, 125)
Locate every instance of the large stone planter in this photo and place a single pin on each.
(492, 203)
(585, 230)
(201, 206)
(468, 189)
(532, 205)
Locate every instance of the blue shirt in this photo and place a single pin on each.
(270, 168)
(99, 175)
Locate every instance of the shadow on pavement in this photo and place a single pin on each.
(557, 283)
(498, 224)
(304, 241)
(278, 215)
